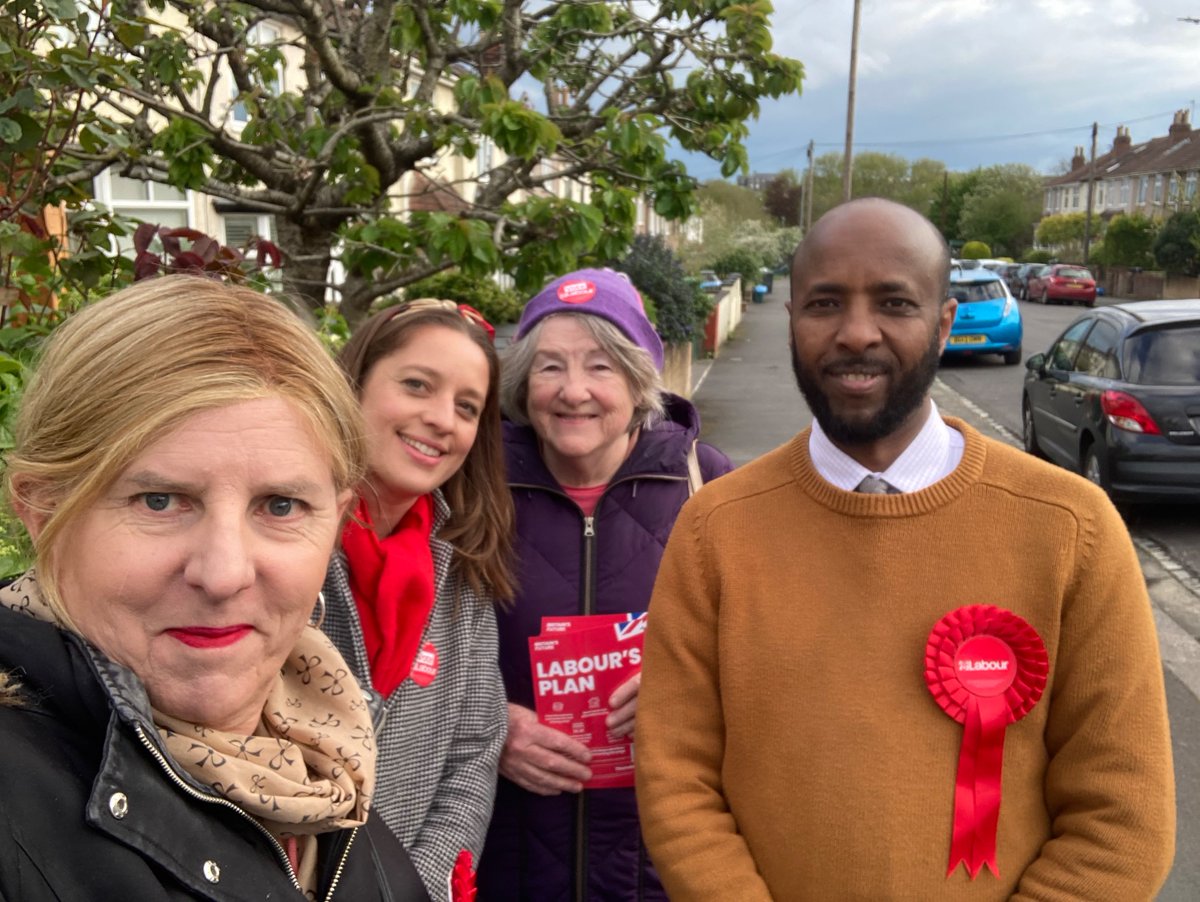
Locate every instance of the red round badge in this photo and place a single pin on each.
(985, 665)
(578, 292)
(425, 667)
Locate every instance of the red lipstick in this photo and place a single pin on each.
(210, 636)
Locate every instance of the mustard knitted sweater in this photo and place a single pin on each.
(787, 746)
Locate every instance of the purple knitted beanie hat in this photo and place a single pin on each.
(599, 292)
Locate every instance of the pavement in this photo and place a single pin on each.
(749, 404)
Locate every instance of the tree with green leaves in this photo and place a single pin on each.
(1129, 241)
(1061, 229)
(1177, 246)
(913, 183)
(782, 196)
(1002, 207)
(1064, 233)
(945, 209)
(592, 93)
(675, 301)
(47, 73)
(736, 203)
(728, 213)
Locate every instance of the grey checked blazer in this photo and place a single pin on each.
(438, 745)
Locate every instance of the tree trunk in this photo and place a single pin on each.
(356, 300)
(307, 251)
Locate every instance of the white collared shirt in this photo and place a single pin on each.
(931, 456)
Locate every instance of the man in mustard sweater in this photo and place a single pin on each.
(792, 742)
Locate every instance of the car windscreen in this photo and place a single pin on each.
(1166, 356)
(1070, 272)
(966, 292)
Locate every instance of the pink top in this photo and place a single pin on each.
(587, 497)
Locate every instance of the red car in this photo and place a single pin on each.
(1062, 282)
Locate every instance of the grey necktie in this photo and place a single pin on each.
(873, 485)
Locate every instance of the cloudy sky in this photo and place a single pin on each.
(977, 82)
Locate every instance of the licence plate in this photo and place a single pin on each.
(1074, 284)
(968, 339)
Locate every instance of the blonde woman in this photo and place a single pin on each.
(173, 726)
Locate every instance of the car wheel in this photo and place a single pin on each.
(1013, 357)
(1028, 434)
(1094, 469)
(1045, 297)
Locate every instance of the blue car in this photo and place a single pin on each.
(988, 319)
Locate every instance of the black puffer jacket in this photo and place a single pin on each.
(91, 811)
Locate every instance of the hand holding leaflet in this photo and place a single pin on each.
(581, 667)
(540, 759)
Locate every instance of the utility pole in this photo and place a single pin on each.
(808, 191)
(1087, 220)
(945, 201)
(848, 161)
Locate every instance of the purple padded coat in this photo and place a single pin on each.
(586, 846)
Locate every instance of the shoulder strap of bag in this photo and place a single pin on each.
(695, 477)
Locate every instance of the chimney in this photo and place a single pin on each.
(1079, 160)
(1180, 127)
(1122, 142)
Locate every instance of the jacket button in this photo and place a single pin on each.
(118, 805)
(212, 873)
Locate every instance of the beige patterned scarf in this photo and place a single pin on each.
(310, 766)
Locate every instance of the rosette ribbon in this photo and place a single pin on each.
(986, 668)
(462, 879)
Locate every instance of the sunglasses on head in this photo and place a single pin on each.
(466, 311)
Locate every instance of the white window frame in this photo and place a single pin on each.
(264, 226)
(102, 187)
(260, 35)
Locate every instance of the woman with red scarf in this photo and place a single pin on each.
(410, 593)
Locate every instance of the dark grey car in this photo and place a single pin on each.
(1019, 282)
(1117, 398)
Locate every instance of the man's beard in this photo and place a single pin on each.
(906, 395)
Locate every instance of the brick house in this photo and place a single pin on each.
(1154, 178)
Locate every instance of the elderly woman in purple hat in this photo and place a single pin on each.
(600, 459)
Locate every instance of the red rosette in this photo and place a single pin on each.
(462, 879)
(986, 668)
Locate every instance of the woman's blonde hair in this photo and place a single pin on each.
(124, 372)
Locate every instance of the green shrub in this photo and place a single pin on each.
(1177, 247)
(674, 302)
(1128, 241)
(498, 305)
(975, 250)
(739, 260)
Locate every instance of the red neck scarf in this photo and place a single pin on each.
(392, 583)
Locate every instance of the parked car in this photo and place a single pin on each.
(1020, 284)
(1117, 398)
(1009, 274)
(709, 281)
(1062, 282)
(988, 320)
